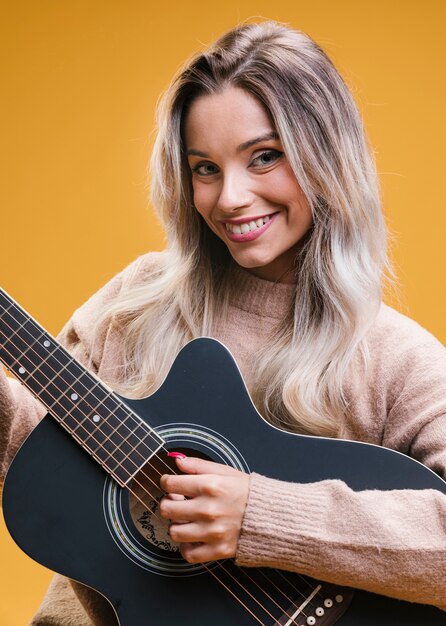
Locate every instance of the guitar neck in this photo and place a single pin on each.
(95, 416)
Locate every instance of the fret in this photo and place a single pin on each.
(121, 422)
(119, 471)
(74, 389)
(79, 440)
(122, 426)
(16, 337)
(25, 339)
(52, 384)
(75, 414)
(106, 427)
(103, 424)
(109, 450)
(136, 437)
(19, 363)
(109, 461)
(101, 420)
(113, 419)
(122, 445)
(5, 309)
(124, 439)
(111, 433)
(16, 319)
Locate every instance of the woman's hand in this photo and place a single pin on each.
(207, 523)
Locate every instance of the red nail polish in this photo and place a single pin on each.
(177, 455)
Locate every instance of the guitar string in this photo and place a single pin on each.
(284, 612)
(280, 573)
(36, 340)
(321, 593)
(144, 489)
(307, 581)
(276, 586)
(290, 584)
(284, 594)
(209, 570)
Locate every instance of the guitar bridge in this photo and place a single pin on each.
(323, 606)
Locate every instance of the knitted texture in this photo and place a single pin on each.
(371, 539)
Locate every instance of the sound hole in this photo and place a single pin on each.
(144, 497)
(132, 514)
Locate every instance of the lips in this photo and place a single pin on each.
(246, 227)
(248, 230)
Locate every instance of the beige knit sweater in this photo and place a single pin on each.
(386, 542)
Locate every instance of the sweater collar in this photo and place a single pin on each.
(259, 296)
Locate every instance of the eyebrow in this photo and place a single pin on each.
(243, 146)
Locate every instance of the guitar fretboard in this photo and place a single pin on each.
(117, 438)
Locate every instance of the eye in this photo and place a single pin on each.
(205, 169)
(266, 158)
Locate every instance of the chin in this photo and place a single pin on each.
(253, 263)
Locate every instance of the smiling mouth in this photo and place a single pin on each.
(247, 227)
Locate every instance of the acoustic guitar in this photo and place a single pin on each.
(81, 496)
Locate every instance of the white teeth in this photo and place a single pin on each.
(247, 227)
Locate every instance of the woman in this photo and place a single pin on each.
(276, 246)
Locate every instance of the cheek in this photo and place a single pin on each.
(291, 193)
(306, 217)
(288, 185)
(300, 215)
(204, 201)
(281, 184)
(203, 198)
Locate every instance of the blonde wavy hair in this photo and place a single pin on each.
(300, 373)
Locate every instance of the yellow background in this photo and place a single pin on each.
(80, 80)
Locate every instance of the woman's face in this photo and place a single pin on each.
(243, 185)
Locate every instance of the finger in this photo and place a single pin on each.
(185, 485)
(174, 496)
(202, 552)
(178, 509)
(191, 532)
(194, 465)
(199, 532)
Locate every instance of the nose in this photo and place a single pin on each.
(235, 191)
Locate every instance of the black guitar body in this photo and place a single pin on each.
(67, 514)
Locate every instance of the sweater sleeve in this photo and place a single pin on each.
(19, 414)
(387, 542)
(384, 542)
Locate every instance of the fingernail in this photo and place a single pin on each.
(177, 455)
